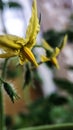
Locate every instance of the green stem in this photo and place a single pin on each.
(1, 108)
(66, 126)
(39, 46)
(2, 118)
(4, 69)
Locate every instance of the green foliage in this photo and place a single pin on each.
(40, 112)
(57, 100)
(54, 38)
(63, 114)
(65, 85)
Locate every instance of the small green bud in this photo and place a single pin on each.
(10, 91)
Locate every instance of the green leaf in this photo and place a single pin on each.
(57, 99)
(64, 84)
(14, 4)
(1, 5)
(10, 91)
(70, 67)
(53, 37)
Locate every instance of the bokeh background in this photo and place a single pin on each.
(46, 93)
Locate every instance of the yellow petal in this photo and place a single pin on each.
(33, 27)
(15, 39)
(44, 59)
(47, 46)
(55, 62)
(64, 42)
(7, 55)
(56, 52)
(29, 56)
(6, 41)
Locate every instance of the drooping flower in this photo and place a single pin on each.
(53, 53)
(17, 46)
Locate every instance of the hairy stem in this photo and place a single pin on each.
(2, 118)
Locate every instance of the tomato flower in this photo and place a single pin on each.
(21, 47)
(53, 53)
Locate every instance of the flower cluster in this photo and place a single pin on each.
(21, 47)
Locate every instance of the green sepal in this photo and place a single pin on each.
(27, 77)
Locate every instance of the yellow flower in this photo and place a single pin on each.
(53, 53)
(17, 46)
